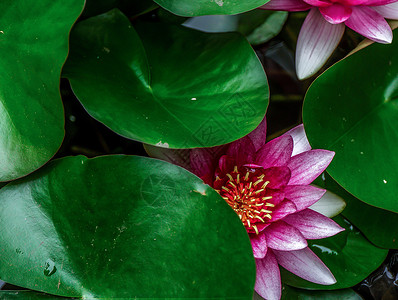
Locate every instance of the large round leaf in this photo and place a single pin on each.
(122, 227)
(34, 45)
(190, 8)
(349, 256)
(352, 109)
(167, 85)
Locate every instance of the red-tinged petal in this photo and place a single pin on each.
(278, 177)
(203, 163)
(307, 166)
(287, 5)
(225, 164)
(319, 3)
(277, 196)
(303, 196)
(259, 245)
(316, 42)
(242, 151)
(300, 140)
(389, 11)
(179, 157)
(275, 153)
(285, 208)
(259, 135)
(370, 24)
(313, 225)
(305, 264)
(282, 236)
(336, 13)
(268, 279)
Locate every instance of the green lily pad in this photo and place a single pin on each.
(130, 8)
(26, 295)
(122, 227)
(348, 255)
(352, 109)
(378, 225)
(34, 46)
(167, 85)
(189, 8)
(291, 293)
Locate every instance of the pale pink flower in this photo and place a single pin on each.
(325, 24)
(267, 184)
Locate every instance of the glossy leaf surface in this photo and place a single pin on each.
(348, 255)
(290, 293)
(378, 225)
(352, 109)
(34, 46)
(130, 8)
(167, 85)
(26, 295)
(122, 227)
(189, 8)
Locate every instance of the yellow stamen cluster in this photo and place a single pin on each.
(245, 192)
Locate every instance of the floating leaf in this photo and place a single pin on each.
(34, 46)
(122, 227)
(189, 8)
(349, 256)
(352, 109)
(167, 85)
(378, 225)
(290, 293)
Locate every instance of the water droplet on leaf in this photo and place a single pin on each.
(49, 267)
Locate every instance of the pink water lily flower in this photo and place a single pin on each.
(267, 184)
(325, 24)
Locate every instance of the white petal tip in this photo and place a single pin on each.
(330, 205)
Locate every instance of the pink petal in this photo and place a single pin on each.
(318, 3)
(303, 196)
(259, 245)
(389, 11)
(277, 176)
(307, 166)
(313, 225)
(286, 207)
(282, 236)
(268, 279)
(275, 153)
(259, 135)
(242, 151)
(179, 157)
(300, 140)
(305, 264)
(370, 24)
(375, 2)
(316, 42)
(336, 13)
(288, 5)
